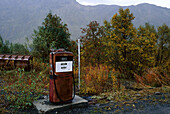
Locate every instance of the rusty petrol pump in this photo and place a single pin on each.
(61, 77)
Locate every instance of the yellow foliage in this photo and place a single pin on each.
(95, 79)
(115, 81)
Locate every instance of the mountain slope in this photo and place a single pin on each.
(20, 17)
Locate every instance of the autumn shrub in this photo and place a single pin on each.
(95, 79)
(163, 69)
(139, 79)
(115, 80)
(38, 65)
(76, 78)
(154, 78)
(23, 88)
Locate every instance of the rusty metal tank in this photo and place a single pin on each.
(23, 62)
(2, 60)
(15, 61)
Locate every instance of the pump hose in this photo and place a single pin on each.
(56, 88)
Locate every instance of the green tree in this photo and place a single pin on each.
(4, 46)
(1, 42)
(52, 34)
(74, 48)
(19, 49)
(163, 52)
(147, 38)
(10, 48)
(147, 30)
(128, 49)
(119, 43)
(92, 50)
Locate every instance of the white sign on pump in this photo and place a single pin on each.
(64, 66)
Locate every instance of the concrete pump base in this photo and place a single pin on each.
(44, 106)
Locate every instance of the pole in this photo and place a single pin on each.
(79, 61)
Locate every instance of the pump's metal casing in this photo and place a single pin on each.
(61, 71)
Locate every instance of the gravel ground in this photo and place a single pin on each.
(153, 105)
(146, 108)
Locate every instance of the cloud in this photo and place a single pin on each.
(165, 3)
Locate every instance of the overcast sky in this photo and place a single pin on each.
(163, 3)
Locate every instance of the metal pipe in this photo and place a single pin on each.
(79, 61)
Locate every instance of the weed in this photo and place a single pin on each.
(22, 88)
